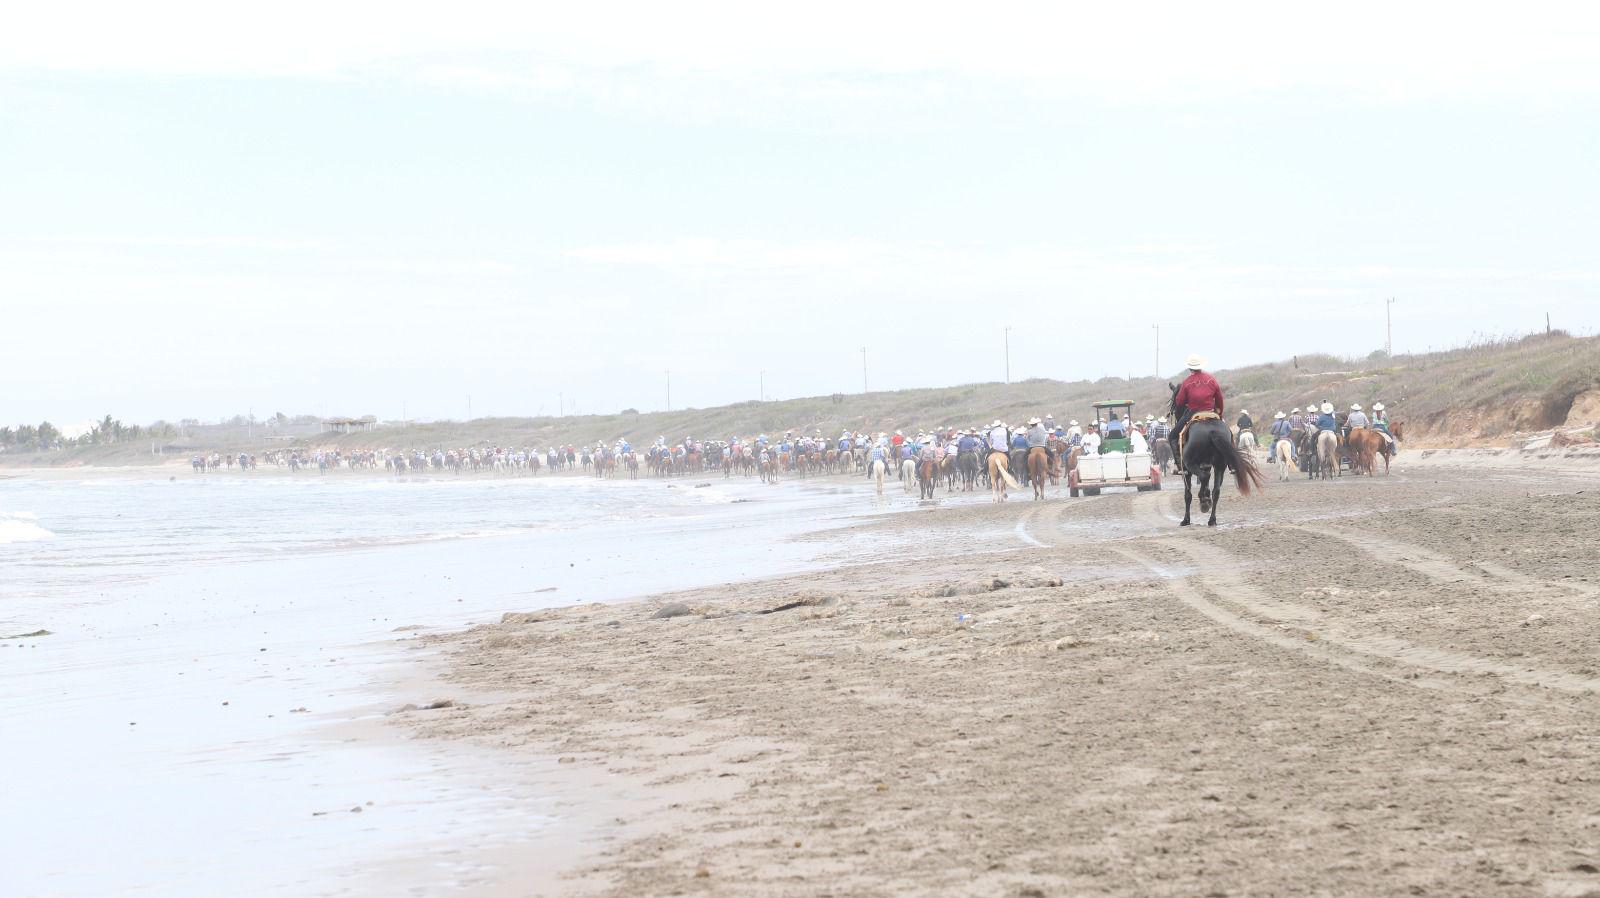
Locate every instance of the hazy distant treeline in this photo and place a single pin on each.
(104, 432)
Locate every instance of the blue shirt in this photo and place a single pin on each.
(1326, 422)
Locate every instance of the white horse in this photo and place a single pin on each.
(879, 469)
(908, 473)
(1328, 455)
(1284, 450)
(1247, 441)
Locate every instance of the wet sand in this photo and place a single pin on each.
(1371, 686)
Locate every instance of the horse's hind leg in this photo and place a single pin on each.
(1188, 498)
(1216, 493)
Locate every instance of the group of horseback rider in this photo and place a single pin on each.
(1200, 394)
(1300, 428)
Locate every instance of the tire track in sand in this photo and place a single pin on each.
(1442, 568)
(1320, 636)
(1157, 509)
(1295, 641)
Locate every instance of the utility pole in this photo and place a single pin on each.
(863, 369)
(1158, 350)
(1388, 327)
(763, 385)
(469, 407)
(1008, 353)
(561, 404)
(669, 390)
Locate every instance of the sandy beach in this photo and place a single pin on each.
(1372, 686)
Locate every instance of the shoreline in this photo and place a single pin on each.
(249, 698)
(819, 720)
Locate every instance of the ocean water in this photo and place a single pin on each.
(154, 740)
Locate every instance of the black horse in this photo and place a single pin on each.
(1209, 452)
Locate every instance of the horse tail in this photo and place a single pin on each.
(1246, 476)
(1002, 465)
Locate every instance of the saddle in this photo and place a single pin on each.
(1183, 435)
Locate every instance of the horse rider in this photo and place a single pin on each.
(999, 439)
(1280, 430)
(1325, 419)
(1074, 432)
(1037, 435)
(1357, 418)
(1199, 392)
(1245, 421)
(1380, 423)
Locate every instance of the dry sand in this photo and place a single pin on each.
(1375, 686)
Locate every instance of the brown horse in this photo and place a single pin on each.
(1038, 460)
(1398, 429)
(1365, 445)
(927, 478)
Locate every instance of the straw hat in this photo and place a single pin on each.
(1073, 423)
(1279, 416)
(1195, 363)
(997, 423)
(1356, 407)
(1327, 408)
(1377, 406)
(1032, 421)
(1296, 410)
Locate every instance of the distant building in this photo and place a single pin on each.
(349, 425)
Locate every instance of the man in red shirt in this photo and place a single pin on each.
(1199, 392)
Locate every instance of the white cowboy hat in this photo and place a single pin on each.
(1279, 416)
(1195, 362)
(997, 423)
(1161, 420)
(1327, 408)
(1033, 420)
(1356, 407)
(1073, 423)
(1244, 411)
(1296, 410)
(1377, 406)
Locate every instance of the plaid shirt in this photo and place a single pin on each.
(1159, 431)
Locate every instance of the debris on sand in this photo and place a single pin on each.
(527, 617)
(434, 705)
(803, 601)
(989, 584)
(28, 635)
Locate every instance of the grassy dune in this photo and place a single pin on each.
(1473, 394)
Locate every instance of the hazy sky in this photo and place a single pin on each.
(363, 208)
